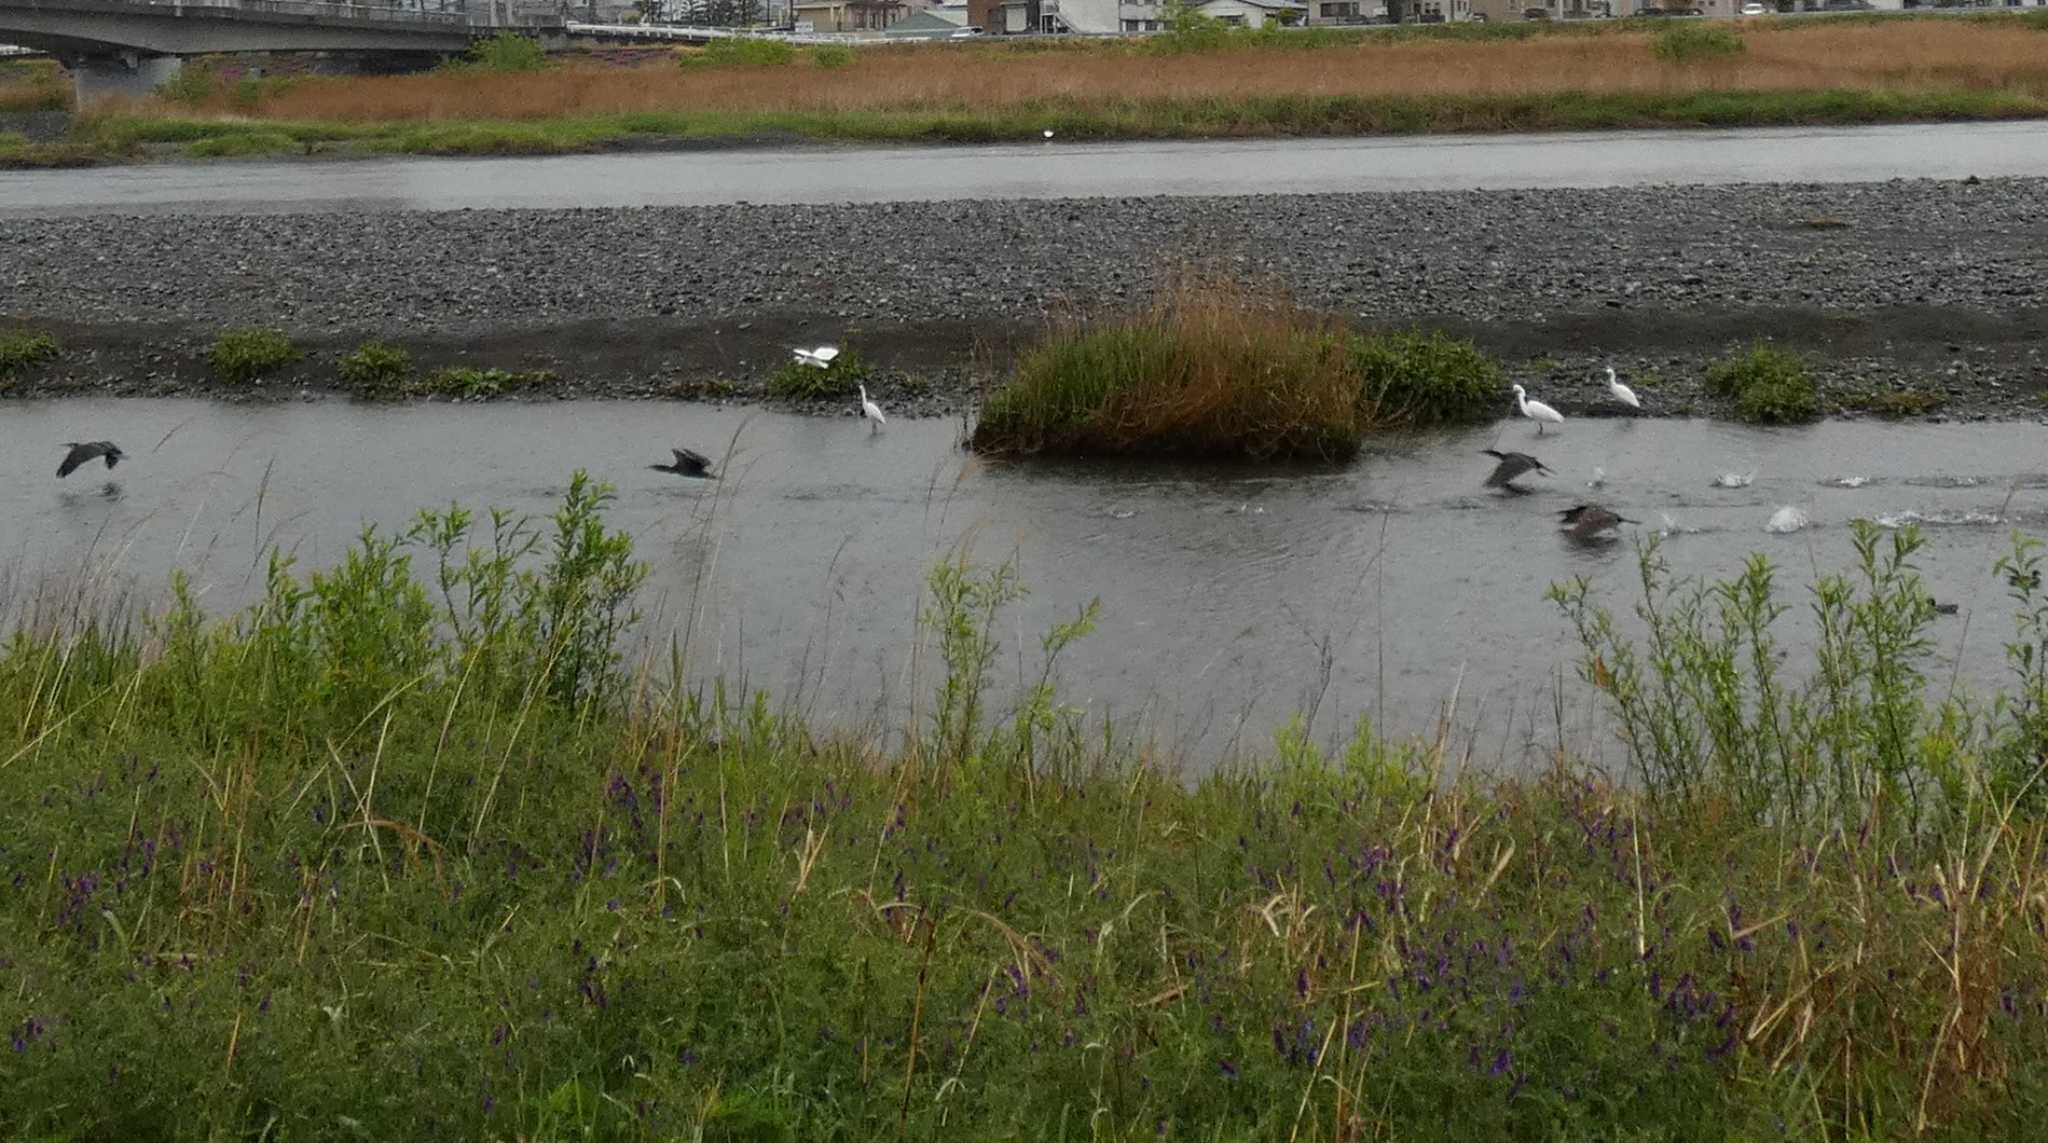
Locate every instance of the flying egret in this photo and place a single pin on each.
(819, 358)
(1622, 393)
(1536, 410)
(1512, 464)
(81, 453)
(871, 411)
(1589, 520)
(688, 463)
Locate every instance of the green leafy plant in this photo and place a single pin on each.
(832, 57)
(376, 366)
(243, 355)
(1769, 386)
(797, 382)
(25, 348)
(742, 51)
(508, 52)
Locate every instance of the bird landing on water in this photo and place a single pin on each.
(1589, 521)
(688, 463)
(1512, 465)
(83, 453)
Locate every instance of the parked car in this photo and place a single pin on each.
(1752, 9)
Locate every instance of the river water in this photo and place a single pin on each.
(823, 174)
(1230, 599)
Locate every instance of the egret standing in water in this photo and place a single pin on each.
(83, 453)
(688, 463)
(1621, 392)
(871, 411)
(1536, 410)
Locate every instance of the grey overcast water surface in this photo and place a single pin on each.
(822, 174)
(1222, 592)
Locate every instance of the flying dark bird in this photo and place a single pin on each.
(687, 463)
(82, 453)
(1512, 464)
(1589, 520)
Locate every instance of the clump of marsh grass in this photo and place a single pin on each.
(25, 348)
(243, 355)
(1212, 371)
(797, 382)
(376, 367)
(1769, 386)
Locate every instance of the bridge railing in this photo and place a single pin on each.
(439, 12)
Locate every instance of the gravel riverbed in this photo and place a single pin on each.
(1932, 287)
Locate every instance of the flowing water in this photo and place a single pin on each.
(1231, 599)
(821, 174)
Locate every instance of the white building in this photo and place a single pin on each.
(1257, 13)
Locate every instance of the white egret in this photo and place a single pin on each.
(1048, 132)
(1599, 477)
(82, 453)
(1622, 393)
(688, 463)
(1536, 410)
(871, 411)
(819, 358)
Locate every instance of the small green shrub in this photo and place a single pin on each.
(508, 52)
(469, 383)
(1426, 379)
(242, 355)
(832, 56)
(1769, 386)
(743, 52)
(1695, 43)
(376, 366)
(794, 382)
(20, 350)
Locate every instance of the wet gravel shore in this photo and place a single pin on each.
(1931, 288)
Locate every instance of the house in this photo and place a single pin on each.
(846, 15)
(1004, 17)
(1326, 12)
(926, 25)
(1256, 13)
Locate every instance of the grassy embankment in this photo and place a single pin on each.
(407, 851)
(1202, 83)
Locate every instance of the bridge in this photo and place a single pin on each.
(129, 46)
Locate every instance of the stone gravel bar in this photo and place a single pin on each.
(1890, 282)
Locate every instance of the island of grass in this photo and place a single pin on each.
(1199, 81)
(1213, 373)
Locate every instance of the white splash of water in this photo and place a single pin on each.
(1735, 479)
(1787, 519)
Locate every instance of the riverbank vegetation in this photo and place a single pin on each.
(411, 847)
(239, 356)
(1769, 386)
(1211, 371)
(1450, 78)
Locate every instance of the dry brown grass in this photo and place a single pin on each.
(1900, 57)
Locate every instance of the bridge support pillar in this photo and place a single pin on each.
(98, 77)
